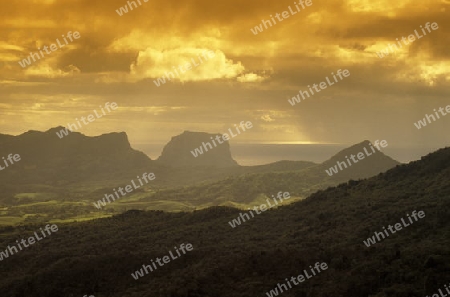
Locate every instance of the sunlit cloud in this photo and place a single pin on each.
(46, 70)
(250, 77)
(153, 63)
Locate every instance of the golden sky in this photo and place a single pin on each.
(250, 78)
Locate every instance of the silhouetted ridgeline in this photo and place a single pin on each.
(279, 176)
(76, 158)
(97, 257)
(177, 153)
(60, 179)
(374, 162)
(48, 159)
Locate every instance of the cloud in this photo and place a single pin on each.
(250, 77)
(267, 118)
(116, 58)
(204, 63)
(47, 70)
(387, 7)
(7, 46)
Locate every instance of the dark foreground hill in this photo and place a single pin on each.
(98, 257)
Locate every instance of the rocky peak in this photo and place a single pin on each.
(178, 151)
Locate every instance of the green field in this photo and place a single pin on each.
(38, 204)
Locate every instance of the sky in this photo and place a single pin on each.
(249, 78)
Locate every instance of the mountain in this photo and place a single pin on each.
(46, 158)
(178, 152)
(373, 162)
(5, 138)
(258, 183)
(98, 257)
(60, 178)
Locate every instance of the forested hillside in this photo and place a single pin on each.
(98, 257)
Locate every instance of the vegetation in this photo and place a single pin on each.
(97, 257)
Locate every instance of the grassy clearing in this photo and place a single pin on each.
(9, 221)
(46, 203)
(88, 217)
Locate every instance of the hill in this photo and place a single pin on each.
(373, 162)
(98, 257)
(107, 160)
(59, 179)
(197, 149)
(48, 159)
(260, 182)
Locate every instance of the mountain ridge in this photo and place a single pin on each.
(76, 157)
(177, 152)
(371, 165)
(329, 226)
